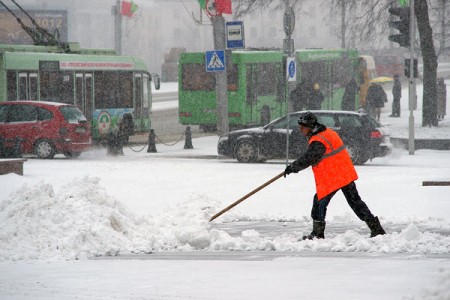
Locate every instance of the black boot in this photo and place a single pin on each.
(375, 227)
(318, 231)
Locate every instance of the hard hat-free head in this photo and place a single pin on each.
(307, 119)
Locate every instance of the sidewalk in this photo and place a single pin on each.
(435, 137)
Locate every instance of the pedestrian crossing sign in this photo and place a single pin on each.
(215, 60)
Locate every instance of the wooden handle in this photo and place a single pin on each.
(246, 196)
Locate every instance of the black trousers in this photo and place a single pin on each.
(396, 107)
(319, 208)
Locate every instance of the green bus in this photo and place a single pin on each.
(255, 89)
(257, 84)
(331, 69)
(109, 89)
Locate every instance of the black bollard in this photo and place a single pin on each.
(115, 145)
(151, 142)
(17, 153)
(2, 149)
(188, 141)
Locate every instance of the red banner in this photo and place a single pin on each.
(128, 8)
(224, 6)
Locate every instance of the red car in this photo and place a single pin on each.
(43, 128)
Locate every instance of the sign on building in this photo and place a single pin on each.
(12, 33)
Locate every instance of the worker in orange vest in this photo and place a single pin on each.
(333, 171)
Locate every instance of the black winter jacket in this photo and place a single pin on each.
(314, 153)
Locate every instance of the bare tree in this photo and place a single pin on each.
(440, 10)
(366, 22)
(245, 7)
(429, 109)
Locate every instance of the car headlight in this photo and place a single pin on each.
(223, 139)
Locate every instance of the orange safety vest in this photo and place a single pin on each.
(335, 170)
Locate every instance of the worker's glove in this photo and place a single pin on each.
(289, 169)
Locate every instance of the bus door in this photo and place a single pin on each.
(328, 90)
(141, 96)
(28, 86)
(317, 72)
(251, 98)
(83, 93)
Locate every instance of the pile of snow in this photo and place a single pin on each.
(83, 221)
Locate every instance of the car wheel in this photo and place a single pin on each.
(44, 149)
(354, 152)
(246, 152)
(72, 154)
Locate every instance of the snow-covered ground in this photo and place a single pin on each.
(100, 227)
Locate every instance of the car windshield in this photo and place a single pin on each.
(280, 123)
(72, 114)
(372, 121)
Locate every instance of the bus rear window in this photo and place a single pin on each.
(195, 78)
(267, 84)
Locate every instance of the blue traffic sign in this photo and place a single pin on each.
(235, 34)
(215, 60)
(291, 69)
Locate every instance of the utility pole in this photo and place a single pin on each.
(406, 38)
(117, 27)
(343, 7)
(412, 80)
(223, 127)
(291, 69)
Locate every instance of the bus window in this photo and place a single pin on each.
(314, 72)
(23, 95)
(195, 78)
(83, 93)
(33, 85)
(57, 87)
(113, 89)
(265, 79)
(145, 90)
(105, 93)
(281, 84)
(341, 72)
(251, 84)
(232, 77)
(138, 89)
(79, 88)
(138, 95)
(88, 89)
(141, 83)
(125, 87)
(12, 85)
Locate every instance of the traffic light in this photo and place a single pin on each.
(408, 68)
(402, 25)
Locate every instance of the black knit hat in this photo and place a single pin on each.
(307, 119)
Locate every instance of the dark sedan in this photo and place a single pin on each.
(364, 137)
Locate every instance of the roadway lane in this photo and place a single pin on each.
(164, 118)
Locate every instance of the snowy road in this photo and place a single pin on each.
(136, 227)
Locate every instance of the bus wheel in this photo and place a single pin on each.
(265, 115)
(245, 152)
(208, 128)
(44, 149)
